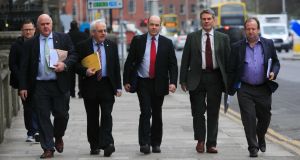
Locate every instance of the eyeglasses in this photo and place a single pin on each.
(101, 31)
(28, 30)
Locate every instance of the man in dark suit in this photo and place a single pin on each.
(99, 87)
(76, 36)
(49, 87)
(249, 76)
(151, 68)
(203, 74)
(15, 56)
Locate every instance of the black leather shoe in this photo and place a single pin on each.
(253, 152)
(109, 150)
(94, 151)
(262, 144)
(156, 149)
(145, 149)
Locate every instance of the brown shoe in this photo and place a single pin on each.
(47, 154)
(200, 146)
(59, 145)
(212, 150)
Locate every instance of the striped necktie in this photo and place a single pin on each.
(99, 73)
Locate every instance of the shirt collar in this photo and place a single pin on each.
(149, 36)
(96, 43)
(49, 37)
(211, 32)
(256, 42)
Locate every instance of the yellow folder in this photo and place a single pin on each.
(91, 61)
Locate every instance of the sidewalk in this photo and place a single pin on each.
(177, 144)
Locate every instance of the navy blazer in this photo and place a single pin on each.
(236, 66)
(30, 61)
(85, 48)
(166, 69)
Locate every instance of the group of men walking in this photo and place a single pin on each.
(209, 67)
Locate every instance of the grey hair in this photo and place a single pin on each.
(93, 24)
(208, 11)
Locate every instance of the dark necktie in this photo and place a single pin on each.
(99, 73)
(208, 54)
(152, 58)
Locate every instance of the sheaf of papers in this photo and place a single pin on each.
(91, 61)
(269, 67)
(57, 55)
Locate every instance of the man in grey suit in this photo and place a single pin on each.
(203, 74)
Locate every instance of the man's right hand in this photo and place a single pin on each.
(127, 87)
(90, 72)
(23, 94)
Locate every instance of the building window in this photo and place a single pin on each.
(181, 9)
(131, 6)
(171, 8)
(161, 9)
(146, 6)
(193, 8)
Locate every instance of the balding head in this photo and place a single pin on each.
(154, 23)
(44, 24)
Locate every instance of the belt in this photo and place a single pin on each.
(210, 71)
(47, 81)
(254, 85)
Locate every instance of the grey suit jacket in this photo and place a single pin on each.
(191, 62)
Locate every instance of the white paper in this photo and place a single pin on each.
(53, 58)
(269, 67)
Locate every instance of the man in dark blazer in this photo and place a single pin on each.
(203, 74)
(254, 64)
(99, 87)
(15, 56)
(49, 87)
(151, 69)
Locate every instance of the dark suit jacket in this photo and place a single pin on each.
(15, 60)
(166, 69)
(191, 62)
(237, 60)
(30, 61)
(84, 49)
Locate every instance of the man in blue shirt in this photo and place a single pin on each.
(254, 65)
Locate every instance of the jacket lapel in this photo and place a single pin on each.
(198, 42)
(55, 41)
(107, 50)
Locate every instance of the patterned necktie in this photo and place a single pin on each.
(208, 54)
(47, 56)
(152, 58)
(99, 73)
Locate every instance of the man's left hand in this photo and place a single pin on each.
(172, 88)
(118, 93)
(59, 67)
(271, 76)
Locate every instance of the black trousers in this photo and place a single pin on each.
(150, 105)
(30, 117)
(49, 99)
(207, 98)
(255, 107)
(100, 132)
(72, 82)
